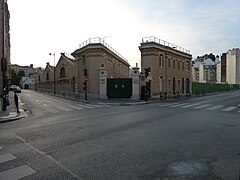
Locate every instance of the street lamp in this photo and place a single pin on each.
(54, 69)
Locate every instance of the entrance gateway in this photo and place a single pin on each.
(119, 88)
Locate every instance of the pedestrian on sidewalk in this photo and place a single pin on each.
(16, 101)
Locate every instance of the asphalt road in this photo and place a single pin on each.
(195, 138)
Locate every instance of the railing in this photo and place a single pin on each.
(99, 40)
(164, 43)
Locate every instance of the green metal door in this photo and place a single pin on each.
(119, 87)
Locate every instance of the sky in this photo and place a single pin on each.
(40, 27)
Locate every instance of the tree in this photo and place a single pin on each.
(21, 73)
(13, 73)
(16, 77)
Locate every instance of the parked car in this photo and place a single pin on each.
(12, 87)
(17, 89)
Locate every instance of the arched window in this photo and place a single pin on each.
(47, 76)
(62, 72)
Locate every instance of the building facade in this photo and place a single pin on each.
(4, 47)
(223, 67)
(233, 66)
(170, 66)
(93, 55)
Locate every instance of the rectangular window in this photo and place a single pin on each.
(161, 62)
(183, 66)
(169, 63)
(178, 64)
(83, 61)
(174, 66)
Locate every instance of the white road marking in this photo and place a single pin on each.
(215, 107)
(1, 147)
(63, 108)
(190, 105)
(94, 105)
(17, 173)
(6, 157)
(202, 106)
(45, 105)
(230, 108)
(177, 105)
(37, 100)
(168, 104)
(84, 106)
(75, 107)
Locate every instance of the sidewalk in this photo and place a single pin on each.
(11, 113)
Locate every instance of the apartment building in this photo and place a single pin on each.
(170, 66)
(233, 66)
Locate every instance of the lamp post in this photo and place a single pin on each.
(54, 69)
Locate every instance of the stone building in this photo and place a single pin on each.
(93, 55)
(4, 47)
(170, 66)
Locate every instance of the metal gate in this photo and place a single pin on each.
(119, 87)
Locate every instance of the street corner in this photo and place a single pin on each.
(13, 116)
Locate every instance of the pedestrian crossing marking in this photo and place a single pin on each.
(84, 106)
(75, 107)
(6, 157)
(215, 107)
(202, 106)
(230, 108)
(177, 105)
(94, 105)
(167, 104)
(17, 173)
(63, 108)
(191, 105)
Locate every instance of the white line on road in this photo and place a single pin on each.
(215, 107)
(63, 108)
(177, 105)
(37, 100)
(1, 147)
(75, 107)
(45, 105)
(17, 173)
(191, 105)
(230, 108)
(202, 106)
(6, 157)
(168, 104)
(81, 105)
(94, 105)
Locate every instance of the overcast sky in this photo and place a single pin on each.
(39, 27)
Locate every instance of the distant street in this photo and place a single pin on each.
(186, 138)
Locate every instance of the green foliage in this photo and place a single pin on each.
(203, 88)
(16, 77)
(21, 73)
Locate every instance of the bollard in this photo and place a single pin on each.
(16, 101)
